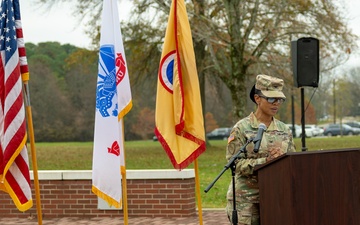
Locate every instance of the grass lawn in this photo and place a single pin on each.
(150, 155)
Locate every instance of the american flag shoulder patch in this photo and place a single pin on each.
(231, 138)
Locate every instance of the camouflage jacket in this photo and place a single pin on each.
(277, 135)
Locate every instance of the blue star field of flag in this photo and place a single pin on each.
(8, 40)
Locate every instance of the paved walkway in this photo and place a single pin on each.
(210, 217)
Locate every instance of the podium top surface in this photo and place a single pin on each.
(313, 152)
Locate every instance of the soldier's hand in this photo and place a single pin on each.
(273, 153)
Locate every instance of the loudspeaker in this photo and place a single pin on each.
(305, 62)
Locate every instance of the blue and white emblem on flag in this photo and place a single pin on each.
(106, 95)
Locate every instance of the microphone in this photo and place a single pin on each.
(257, 139)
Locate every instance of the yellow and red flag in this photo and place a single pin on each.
(178, 117)
(14, 161)
(113, 101)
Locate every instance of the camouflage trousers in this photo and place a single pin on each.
(248, 213)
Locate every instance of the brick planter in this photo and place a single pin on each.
(151, 193)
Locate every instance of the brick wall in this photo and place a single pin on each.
(151, 193)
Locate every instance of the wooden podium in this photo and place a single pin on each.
(311, 188)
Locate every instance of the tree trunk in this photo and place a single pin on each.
(239, 97)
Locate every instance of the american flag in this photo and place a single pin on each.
(14, 161)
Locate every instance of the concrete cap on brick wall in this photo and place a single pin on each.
(130, 174)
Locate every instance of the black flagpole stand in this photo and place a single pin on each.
(231, 164)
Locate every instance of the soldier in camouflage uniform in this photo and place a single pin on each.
(277, 140)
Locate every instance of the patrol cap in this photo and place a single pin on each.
(269, 86)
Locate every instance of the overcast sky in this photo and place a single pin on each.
(57, 24)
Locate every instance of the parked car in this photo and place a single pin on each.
(353, 124)
(221, 133)
(337, 129)
(298, 131)
(314, 130)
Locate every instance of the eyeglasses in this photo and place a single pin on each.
(273, 100)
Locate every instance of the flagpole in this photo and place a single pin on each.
(197, 186)
(124, 189)
(33, 151)
(123, 181)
